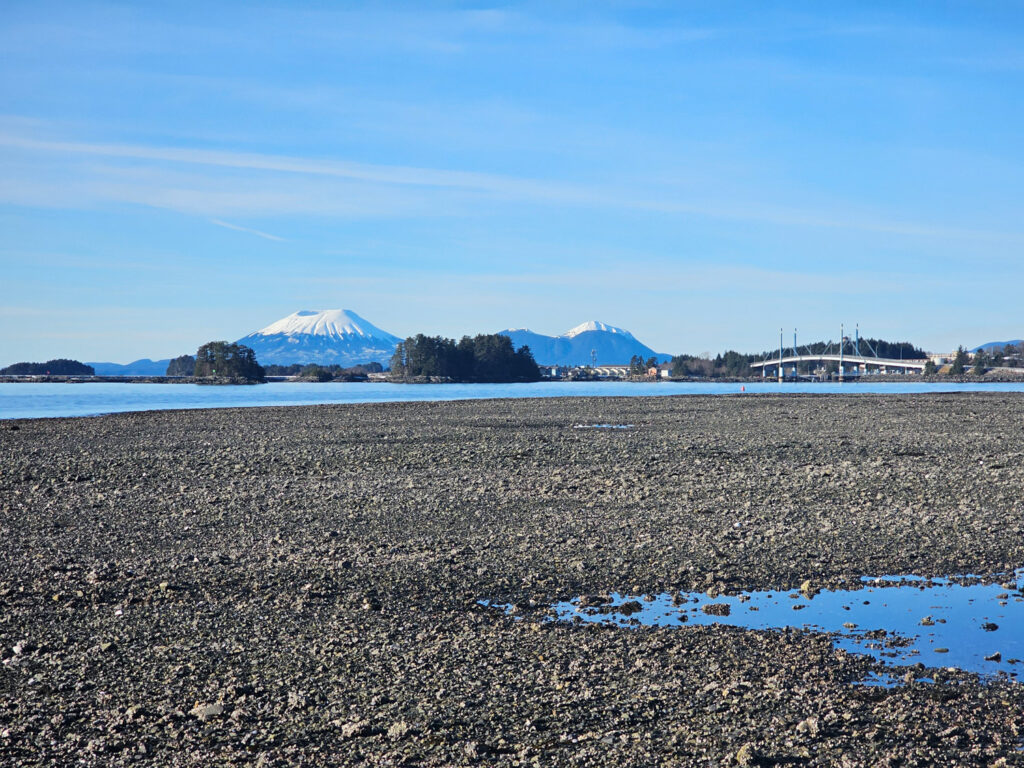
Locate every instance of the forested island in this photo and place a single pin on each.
(220, 361)
(60, 367)
(485, 358)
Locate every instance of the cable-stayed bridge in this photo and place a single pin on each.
(847, 356)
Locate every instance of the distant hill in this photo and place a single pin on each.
(59, 367)
(143, 367)
(997, 344)
(325, 337)
(610, 345)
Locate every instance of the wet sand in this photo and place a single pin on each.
(284, 586)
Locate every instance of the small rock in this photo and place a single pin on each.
(355, 730)
(398, 731)
(206, 711)
(746, 755)
(809, 727)
(716, 609)
(990, 626)
(630, 607)
(997, 656)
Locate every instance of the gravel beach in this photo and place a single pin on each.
(301, 586)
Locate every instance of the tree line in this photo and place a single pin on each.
(482, 358)
(639, 367)
(334, 372)
(59, 367)
(1007, 356)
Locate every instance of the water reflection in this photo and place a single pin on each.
(898, 620)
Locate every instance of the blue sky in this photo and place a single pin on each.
(699, 173)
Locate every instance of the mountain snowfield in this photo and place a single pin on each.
(326, 336)
(583, 344)
(594, 325)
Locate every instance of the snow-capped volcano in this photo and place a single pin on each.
(595, 325)
(583, 344)
(324, 322)
(326, 336)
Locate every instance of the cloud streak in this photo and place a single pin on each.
(237, 228)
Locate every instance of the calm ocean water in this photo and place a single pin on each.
(20, 401)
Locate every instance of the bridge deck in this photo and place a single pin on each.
(846, 359)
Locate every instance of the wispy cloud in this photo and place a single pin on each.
(412, 189)
(237, 228)
(386, 174)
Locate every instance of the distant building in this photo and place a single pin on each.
(611, 371)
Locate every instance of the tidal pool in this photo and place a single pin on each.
(898, 620)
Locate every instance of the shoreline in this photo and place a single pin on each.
(1002, 378)
(294, 582)
(46, 408)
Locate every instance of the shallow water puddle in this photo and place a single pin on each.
(897, 620)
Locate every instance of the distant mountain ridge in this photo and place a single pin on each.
(325, 337)
(989, 346)
(580, 345)
(143, 367)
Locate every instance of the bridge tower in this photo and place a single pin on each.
(782, 374)
(842, 343)
(796, 365)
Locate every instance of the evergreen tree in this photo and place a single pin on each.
(959, 362)
(980, 363)
(185, 365)
(930, 368)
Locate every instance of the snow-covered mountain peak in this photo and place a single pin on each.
(594, 325)
(324, 336)
(334, 323)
